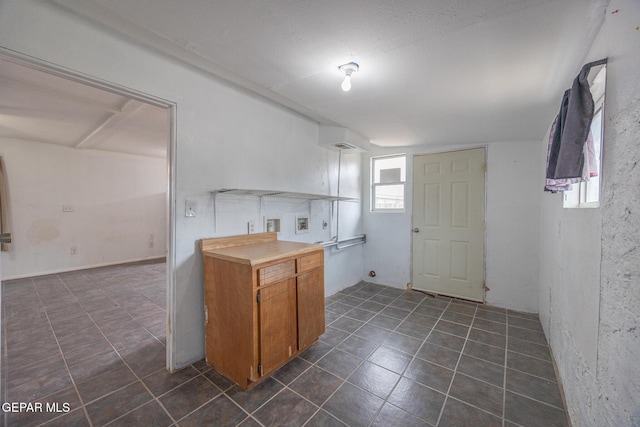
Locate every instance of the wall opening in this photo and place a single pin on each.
(118, 106)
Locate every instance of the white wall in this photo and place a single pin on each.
(225, 138)
(590, 262)
(118, 200)
(512, 219)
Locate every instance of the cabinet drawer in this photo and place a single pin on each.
(309, 262)
(276, 273)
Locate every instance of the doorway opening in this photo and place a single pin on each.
(108, 142)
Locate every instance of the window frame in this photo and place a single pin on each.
(375, 185)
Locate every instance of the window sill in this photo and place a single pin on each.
(387, 211)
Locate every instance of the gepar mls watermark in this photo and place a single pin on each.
(56, 407)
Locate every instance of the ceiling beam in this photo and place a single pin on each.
(128, 109)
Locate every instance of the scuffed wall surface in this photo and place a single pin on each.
(569, 294)
(618, 367)
(512, 226)
(118, 206)
(590, 306)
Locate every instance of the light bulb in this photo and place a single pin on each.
(346, 84)
(348, 70)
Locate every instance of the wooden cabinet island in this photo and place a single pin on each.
(264, 303)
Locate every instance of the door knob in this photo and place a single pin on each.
(416, 230)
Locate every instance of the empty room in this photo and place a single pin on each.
(283, 213)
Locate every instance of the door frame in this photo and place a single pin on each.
(171, 107)
(484, 211)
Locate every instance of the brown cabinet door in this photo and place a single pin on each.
(277, 323)
(310, 307)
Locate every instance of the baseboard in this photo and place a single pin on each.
(84, 267)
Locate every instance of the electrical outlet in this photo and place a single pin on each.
(73, 250)
(151, 240)
(251, 227)
(67, 208)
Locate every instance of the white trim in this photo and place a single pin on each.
(171, 237)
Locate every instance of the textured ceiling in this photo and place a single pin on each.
(431, 71)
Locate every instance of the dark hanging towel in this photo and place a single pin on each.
(556, 136)
(566, 158)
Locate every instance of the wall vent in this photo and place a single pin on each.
(339, 138)
(344, 146)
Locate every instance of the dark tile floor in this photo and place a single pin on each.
(94, 340)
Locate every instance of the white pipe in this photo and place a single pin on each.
(338, 201)
(361, 239)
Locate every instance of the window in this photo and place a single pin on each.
(388, 176)
(587, 194)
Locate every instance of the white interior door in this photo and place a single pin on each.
(448, 223)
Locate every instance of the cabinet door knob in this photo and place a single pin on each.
(416, 230)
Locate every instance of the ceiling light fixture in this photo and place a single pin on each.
(348, 69)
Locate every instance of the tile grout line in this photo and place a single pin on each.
(385, 400)
(119, 306)
(361, 363)
(5, 356)
(55, 336)
(284, 387)
(125, 363)
(157, 398)
(46, 311)
(250, 414)
(504, 379)
(424, 341)
(413, 358)
(535, 400)
(348, 335)
(375, 416)
(5, 352)
(87, 278)
(138, 379)
(455, 370)
(314, 364)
